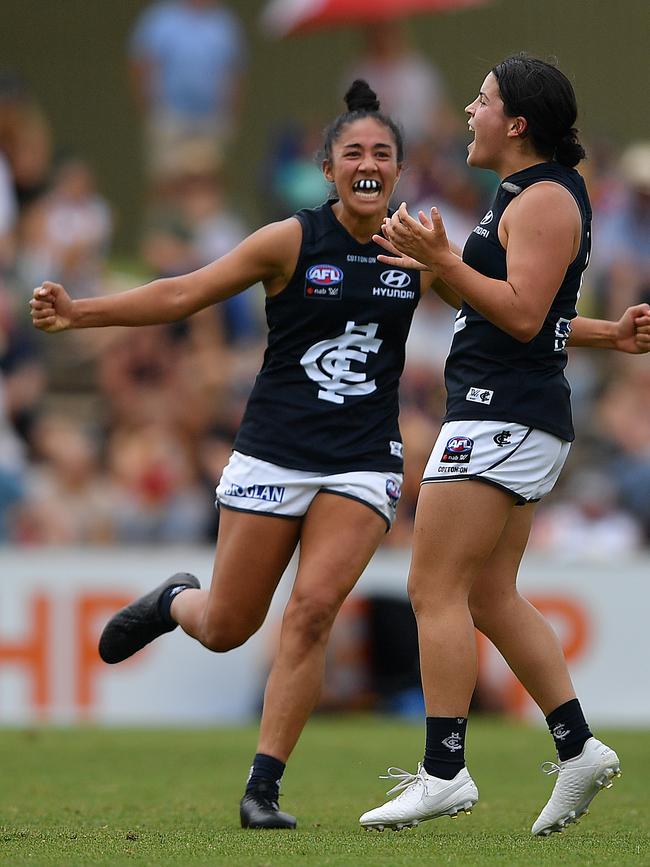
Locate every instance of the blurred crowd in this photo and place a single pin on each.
(118, 436)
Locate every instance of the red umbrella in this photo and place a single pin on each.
(286, 17)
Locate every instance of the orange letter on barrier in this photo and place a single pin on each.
(31, 654)
(92, 610)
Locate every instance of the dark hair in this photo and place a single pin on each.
(538, 91)
(361, 101)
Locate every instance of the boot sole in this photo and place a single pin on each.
(452, 812)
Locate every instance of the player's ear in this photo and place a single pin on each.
(518, 127)
(326, 167)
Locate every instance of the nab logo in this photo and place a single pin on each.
(324, 275)
(395, 279)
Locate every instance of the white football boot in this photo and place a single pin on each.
(578, 782)
(423, 797)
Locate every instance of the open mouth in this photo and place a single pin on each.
(367, 188)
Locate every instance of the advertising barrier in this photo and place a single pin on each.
(54, 602)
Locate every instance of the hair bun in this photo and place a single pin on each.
(361, 96)
(568, 150)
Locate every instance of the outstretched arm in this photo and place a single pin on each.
(268, 255)
(630, 334)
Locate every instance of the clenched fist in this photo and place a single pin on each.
(51, 308)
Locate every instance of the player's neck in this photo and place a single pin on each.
(517, 162)
(360, 226)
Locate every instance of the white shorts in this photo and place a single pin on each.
(522, 460)
(251, 485)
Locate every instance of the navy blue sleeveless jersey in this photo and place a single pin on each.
(326, 397)
(490, 375)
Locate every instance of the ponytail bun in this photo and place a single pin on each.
(569, 151)
(361, 97)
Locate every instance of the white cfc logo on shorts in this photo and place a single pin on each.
(329, 362)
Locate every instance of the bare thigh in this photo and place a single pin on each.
(338, 537)
(457, 527)
(252, 554)
(497, 580)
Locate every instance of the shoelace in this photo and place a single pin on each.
(405, 777)
(550, 768)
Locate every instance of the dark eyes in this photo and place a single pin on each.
(355, 154)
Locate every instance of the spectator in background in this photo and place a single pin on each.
(623, 418)
(410, 87)
(67, 232)
(624, 234)
(187, 59)
(588, 523)
(12, 465)
(25, 138)
(8, 215)
(22, 382)
(197, 195)
(67, 501)
(292, 176)
(155, 486)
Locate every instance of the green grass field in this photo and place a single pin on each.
(88, 796)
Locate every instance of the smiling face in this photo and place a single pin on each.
(495, 134)
(363, 168)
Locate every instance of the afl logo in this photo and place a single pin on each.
(460, 445)
(395, 279)
(393, 491)
(457, 451)
(487, 218)
(324, 275)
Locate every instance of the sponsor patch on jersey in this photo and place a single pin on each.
(457, 451)
(396, 449)
(487, 218)
(480, 395)
(395, 279)
(270, 493)
(393, 491)
(324, 281)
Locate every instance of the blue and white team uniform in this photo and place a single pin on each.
(508, 419)
(323, 412)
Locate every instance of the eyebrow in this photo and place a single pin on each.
(484, 95)
(358, 145)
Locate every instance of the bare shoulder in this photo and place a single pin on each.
(280, 240)
(547, 200)
(276, 247)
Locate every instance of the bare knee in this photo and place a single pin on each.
(221, 634)
(430, 595)
(488, 610)
(309, 619)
